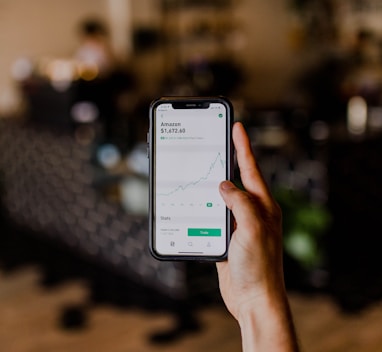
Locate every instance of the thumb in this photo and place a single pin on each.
(227, 188)
(237, 200)
(243, 210)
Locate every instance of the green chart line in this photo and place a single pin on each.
(201, 179)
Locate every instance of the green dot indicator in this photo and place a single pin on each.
(220, 116)
(209, 205)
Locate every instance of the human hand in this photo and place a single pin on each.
(252, 280)
(254, 266)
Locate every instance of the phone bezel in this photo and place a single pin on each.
(188, 103)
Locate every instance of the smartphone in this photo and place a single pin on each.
(190, 151)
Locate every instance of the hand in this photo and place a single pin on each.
(252, 280)
(254, 265)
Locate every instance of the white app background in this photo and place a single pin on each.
(190, 164)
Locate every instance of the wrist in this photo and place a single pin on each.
(266, 324)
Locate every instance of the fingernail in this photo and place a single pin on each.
(227, 185)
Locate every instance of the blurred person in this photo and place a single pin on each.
(95, 92)
(252, 279)
(365, 50)
(94, 51)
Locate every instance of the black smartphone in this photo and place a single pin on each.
(190, 151)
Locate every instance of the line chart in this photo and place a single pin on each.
(216, 162)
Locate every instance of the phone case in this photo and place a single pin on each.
(188, 102)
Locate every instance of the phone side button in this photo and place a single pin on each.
(148, 145)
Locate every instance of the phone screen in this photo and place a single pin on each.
(191, 156)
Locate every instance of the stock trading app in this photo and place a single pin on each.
(191, 161)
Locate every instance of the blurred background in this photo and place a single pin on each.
(76, 81)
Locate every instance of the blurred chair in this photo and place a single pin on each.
(47, 183)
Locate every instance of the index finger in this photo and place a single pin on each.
(250, 173)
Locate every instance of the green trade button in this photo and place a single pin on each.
(205, 232)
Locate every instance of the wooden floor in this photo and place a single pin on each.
(29, 323)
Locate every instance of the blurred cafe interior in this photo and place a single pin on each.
(76, 81)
